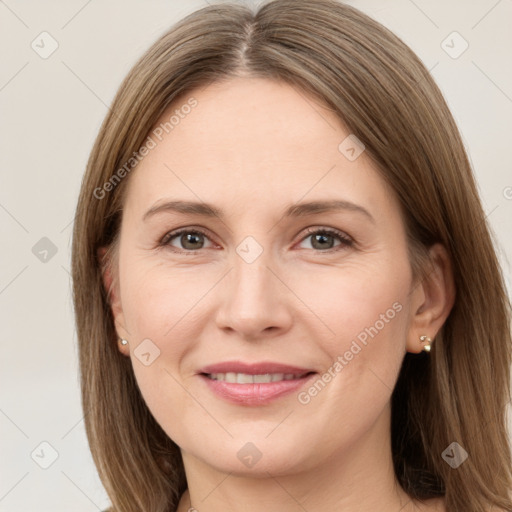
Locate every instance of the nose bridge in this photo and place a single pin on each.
(251, 282)
(253, 301)
(251, 257)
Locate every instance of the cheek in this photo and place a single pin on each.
(356, 298)
(363, 312)
(160, 300)
(165, 313)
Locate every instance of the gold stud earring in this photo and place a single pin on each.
(428, 341)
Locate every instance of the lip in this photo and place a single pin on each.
(257, 393)
(254, 368)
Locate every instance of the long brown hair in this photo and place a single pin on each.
(387, 98)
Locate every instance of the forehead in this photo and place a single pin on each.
(250, 138)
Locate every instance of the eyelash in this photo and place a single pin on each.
(345, 240)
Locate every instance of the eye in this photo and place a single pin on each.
(190, 239)
(323, 239)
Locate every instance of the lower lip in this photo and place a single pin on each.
(255, 394)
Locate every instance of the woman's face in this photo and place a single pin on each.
(320, 298)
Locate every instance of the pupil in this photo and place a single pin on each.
(322, 238)
(190, 238)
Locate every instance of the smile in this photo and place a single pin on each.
(254, 383)
(245, 378)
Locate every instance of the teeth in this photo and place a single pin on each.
(244, 378)
(230, 377)
(262, 378)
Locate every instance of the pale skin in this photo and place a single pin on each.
(252, 148)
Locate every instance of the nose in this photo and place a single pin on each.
(255, 301)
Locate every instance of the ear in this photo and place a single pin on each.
(111, 286)
(432, 299)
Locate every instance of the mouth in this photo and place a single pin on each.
(247, 378)
(254, 384)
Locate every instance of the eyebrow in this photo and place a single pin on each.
(295, 210)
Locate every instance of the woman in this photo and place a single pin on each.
(286, 293)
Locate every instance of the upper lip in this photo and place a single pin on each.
(254, 368)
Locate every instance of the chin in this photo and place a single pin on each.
(257, 456)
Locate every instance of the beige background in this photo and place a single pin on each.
(51, 110)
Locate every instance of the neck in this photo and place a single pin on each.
(356, 479)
